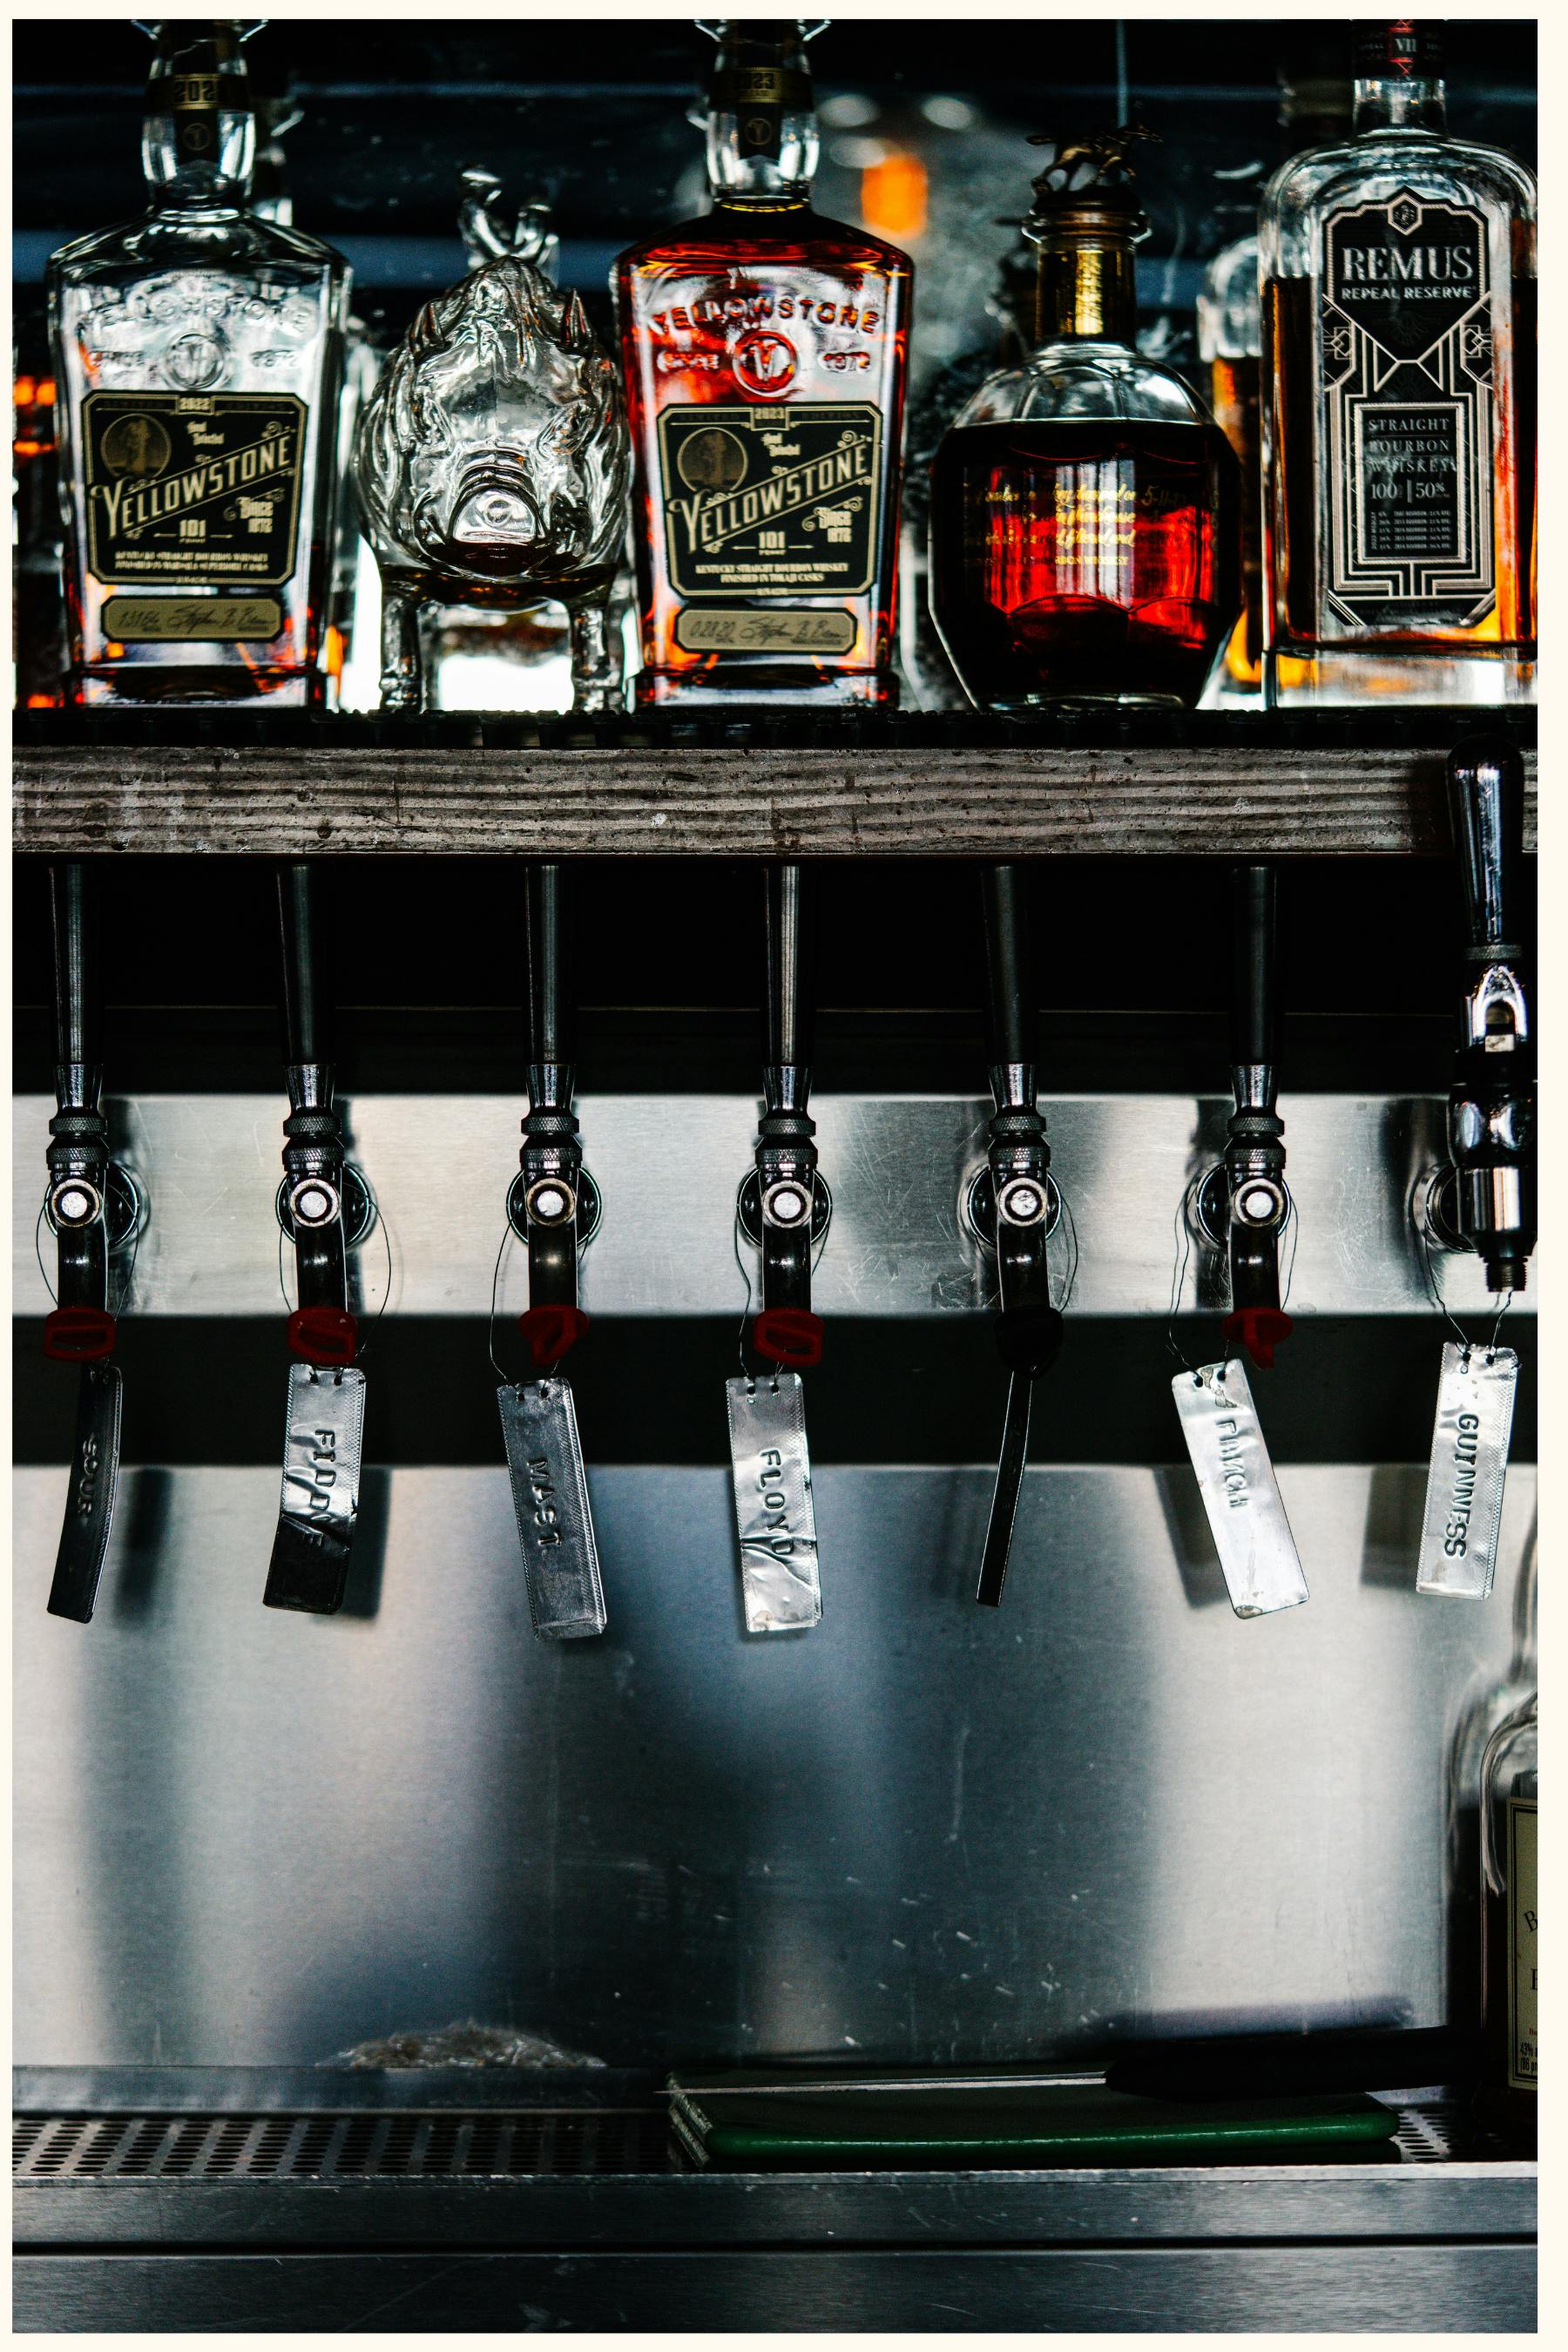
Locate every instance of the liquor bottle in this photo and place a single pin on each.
(1230, 343)
(1399, 429)
(198, 354)
(1509, 1952)
(1084, 533)
(766, 351)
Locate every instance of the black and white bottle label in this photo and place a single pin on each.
(1404, 335)
(187, 490)
(771, 502)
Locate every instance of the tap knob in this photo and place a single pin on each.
(554, 1202)
(1491, 1102)
(790, 1194)
(1257, 1206)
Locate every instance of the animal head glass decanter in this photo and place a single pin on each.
(492, 464)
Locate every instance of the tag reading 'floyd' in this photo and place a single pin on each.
(774, 1520)
(323, 1448)
(1465, 1480)
(1235, 1478)
(550, 1495)
(89, 1498)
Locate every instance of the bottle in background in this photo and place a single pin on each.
(197, 357)
(1509, 1783)
(1399, 421)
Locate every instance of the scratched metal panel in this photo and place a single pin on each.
(922, 1831)
(441, 1167)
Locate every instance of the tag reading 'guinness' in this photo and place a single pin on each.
(1235, 1478)
(1465, 1478)
(550, 1495)
(90, 1497)
(774, 1520)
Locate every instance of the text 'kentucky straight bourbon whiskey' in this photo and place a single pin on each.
(765, 351)
(198, 354)
(1399, 420)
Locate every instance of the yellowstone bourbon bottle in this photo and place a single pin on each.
(1085, 507)
(1399, 411)
(765, 351)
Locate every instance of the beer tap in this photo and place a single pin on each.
(1486, 1201)
(93, 1208)
(1014, 1205)
(783, 1208)
(554, 1208)
(1244, 1205)
(324, 1209)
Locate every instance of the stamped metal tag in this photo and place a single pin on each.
(550, 1495)
(89, 1498)
(774, 1517)
(1235, 1478)
(323, 1447)
(1468, 1465)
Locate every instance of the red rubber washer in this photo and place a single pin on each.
(790, 1336)
(324, 1334)
(550, 1333)
(1260, 1330)
(78, 1334)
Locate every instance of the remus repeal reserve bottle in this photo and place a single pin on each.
(198, 353)
(1399, 427)
(765, 351)
(1084, 512)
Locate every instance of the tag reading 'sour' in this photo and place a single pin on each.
(1235, 1478)
(1465, 1479)
(550, 1495)
(773, 1518)
(323, 1447)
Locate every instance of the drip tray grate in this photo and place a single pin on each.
(326, 2146)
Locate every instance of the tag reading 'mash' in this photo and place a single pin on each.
(1235, 1478)
(550, 1495)
(774, 1520)
(1465, 1479)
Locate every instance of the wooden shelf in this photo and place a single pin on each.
(1233, 791)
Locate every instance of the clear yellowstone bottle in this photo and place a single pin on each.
(765, 351)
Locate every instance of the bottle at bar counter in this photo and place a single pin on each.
(765, 352)
(198, 356)
(1510, 1779)
(1399, 429)
(1230, 343)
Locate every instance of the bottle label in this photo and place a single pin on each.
(776, 502)
(1522, 1970)
(192, 489)
(1465, 1476)
(759, 97)
(193, 99)
(1405, 353)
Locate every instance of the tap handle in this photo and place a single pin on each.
(552, 1156)
(787, 1330)
(1486, 804)
(1008, 989)
(306, 1004)
(1254, 1013)
(77, 1012)
(551, 1042)
(788, 1007)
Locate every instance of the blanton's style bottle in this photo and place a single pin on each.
(1084, 533)
(1399, 426)
(197, 352)
(765, 351)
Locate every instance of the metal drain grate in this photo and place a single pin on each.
(340, 2146)
(1451, 2133)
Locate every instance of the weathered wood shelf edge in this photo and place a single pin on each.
(736, 800)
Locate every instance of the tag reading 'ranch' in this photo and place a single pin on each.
(550, 1495)
(1465, 1479)
(774, 1521)
(1235, 1478)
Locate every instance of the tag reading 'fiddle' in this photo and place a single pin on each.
(323, 1447)
(1465, 1480)
(1235, 1478)
(90, 1497)
(774, 1520)
(550, 1495)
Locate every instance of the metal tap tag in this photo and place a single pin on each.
(1235, 1478)
(323, 1447)
(774, 1517)
(550, 1495)
(1465, 1479)
(90, 1497)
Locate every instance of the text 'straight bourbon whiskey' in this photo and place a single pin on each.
(197, 355)
(1084, 531)
(1399, 426)
(764, 352)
